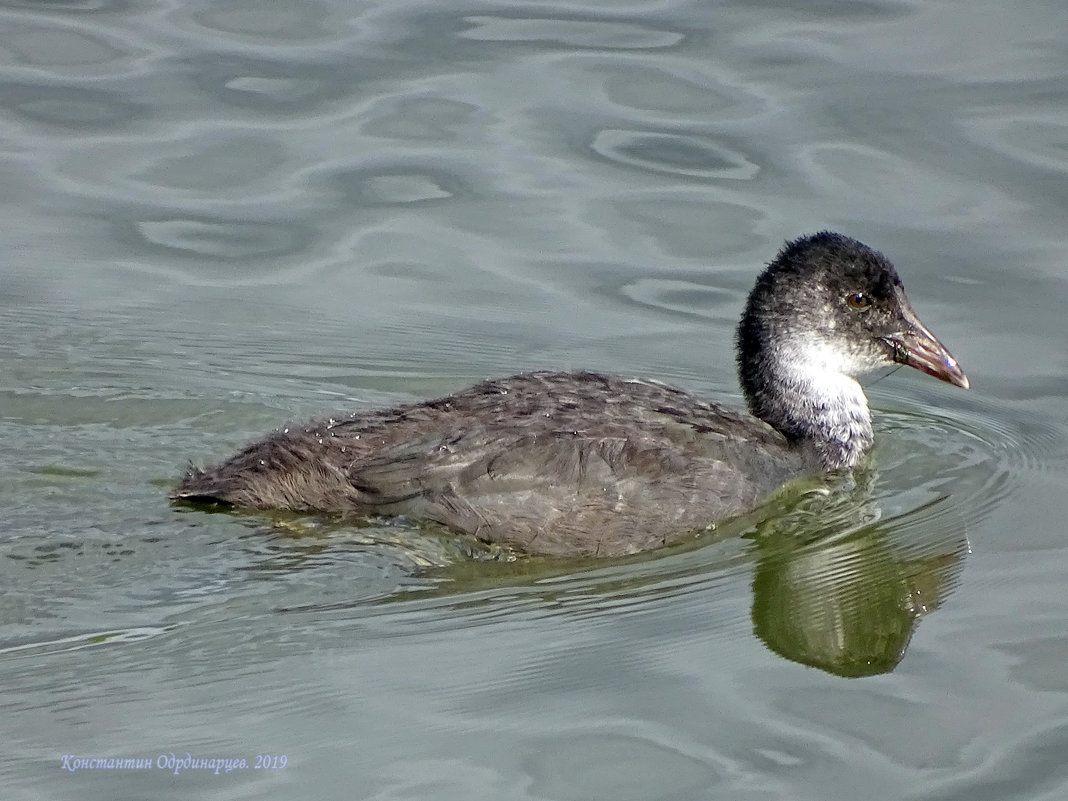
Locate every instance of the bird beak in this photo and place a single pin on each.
(917, 347)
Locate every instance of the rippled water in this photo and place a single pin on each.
(218, 216)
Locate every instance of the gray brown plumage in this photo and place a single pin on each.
(586, 464)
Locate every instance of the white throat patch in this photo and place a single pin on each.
(827, 370)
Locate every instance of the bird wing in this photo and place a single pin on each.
(552, 491)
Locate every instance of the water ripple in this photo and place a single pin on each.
(57, 47)
(312, 20)
(275, 86)
(402, 183)
(605, 34)
(73, 108)
(674, 154)
(420, 118)
(239, 240)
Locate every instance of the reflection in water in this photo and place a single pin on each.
(846, 598)
(835, 586)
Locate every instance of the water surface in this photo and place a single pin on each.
(220, 216)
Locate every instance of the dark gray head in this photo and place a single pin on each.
(827, 309)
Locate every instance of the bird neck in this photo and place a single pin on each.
(805, 393)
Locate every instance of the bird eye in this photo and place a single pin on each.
(858, 300)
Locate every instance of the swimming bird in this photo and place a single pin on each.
(583, 464)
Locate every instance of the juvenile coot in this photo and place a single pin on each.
(587, 464)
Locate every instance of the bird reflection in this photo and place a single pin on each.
(836, 584)
(836, 588)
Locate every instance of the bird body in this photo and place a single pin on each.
(584, 464)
